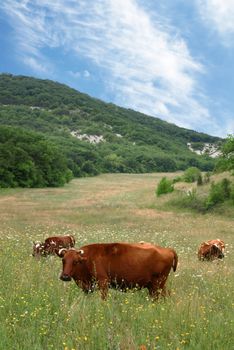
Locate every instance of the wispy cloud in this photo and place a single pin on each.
(77, 75)
(219, 16)
(35, 65)
(148, 64)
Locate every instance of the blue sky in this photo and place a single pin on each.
(173, 59)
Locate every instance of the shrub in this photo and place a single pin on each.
(177, 179)
(219, 192)
(207, 177)
(199, 180)
(232, 193)
(192, 174)
(189, 201)
(164, 186)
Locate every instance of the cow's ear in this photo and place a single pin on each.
(81, 255)
(82, 259)
(60, 252)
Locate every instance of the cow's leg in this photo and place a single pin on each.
(158, 287)
(87, 287)
(162, 286)
(154, 289)
(103, 286)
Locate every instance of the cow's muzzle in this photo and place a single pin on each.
(221, 255)
(65, 278)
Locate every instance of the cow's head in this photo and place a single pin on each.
(213, 251)
(217, 251)
(38, 249)
(72, 263)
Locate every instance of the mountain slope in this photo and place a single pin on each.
(95, 136)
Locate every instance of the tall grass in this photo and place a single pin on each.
(38, 311)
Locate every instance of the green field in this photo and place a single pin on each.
(40, 312)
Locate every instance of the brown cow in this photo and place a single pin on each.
(212, 249)
(119, 265)
(52, 244)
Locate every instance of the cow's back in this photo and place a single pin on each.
(128, 262)
(61, 241)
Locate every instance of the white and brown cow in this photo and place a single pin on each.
(52, 244)
(212, 249)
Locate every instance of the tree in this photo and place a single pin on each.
(114, 163)
(227, 160)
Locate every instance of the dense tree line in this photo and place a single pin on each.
(28, 159)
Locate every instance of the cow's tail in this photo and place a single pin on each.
(175, 260)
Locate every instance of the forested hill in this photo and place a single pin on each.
(85, 136)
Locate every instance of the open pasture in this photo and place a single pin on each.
(40, 312)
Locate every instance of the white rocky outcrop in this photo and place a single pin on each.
(210, 149)
(89, 138)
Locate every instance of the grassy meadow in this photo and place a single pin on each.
(40, 312)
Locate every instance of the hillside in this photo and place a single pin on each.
(93, 136)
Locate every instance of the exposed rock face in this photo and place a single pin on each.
(210, 149)
(89, 138)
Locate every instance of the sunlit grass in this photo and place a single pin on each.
(38, 311)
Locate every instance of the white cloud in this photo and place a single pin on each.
(219, 16)
(148, 64)
(75, 75)
(86, 74)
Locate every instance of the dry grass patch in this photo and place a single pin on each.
(152, 213)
